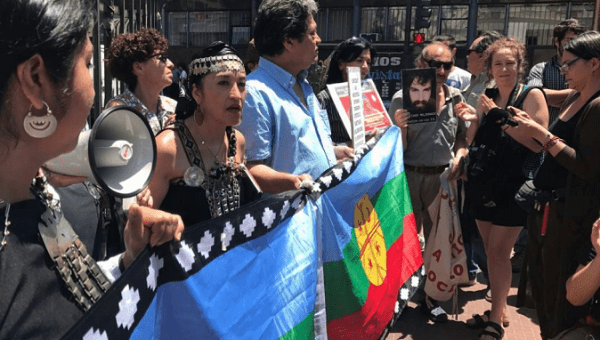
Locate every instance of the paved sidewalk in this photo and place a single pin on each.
(413, 325)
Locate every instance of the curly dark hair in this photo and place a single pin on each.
(129, 48)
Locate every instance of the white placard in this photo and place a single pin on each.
(356, 106)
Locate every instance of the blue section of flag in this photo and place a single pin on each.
(258, 290)
(337, 203)
(250, 274)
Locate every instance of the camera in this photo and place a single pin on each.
(481, 158)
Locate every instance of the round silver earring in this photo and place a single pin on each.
(40, 127)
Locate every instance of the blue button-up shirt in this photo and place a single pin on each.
(279, 129)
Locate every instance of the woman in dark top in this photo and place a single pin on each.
(571, 170)
(356, 52)
(46, 93)
(200, 171)
(498, 217)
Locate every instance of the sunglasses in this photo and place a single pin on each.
(472, 50)
(437, 64)
(160, 56)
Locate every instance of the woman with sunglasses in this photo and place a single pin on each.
(200, 171)
(353, 52)
(495, 178)
(140, 61)
(571, 175)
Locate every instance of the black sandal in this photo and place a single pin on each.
(492, 329)
(480, 320)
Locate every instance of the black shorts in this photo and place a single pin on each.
(506, 213)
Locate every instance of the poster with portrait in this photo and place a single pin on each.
(374, 112)
(418, 94)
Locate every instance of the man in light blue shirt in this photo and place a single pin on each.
(287, 134)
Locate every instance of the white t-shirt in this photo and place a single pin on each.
(459, 78)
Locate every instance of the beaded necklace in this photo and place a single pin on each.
(220, 184)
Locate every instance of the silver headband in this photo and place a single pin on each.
(219, 63)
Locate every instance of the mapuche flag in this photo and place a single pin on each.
(371, 249)
(289, 266)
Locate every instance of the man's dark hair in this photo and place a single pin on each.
(279, 20)
(419, 77)
(563, 27)
(489, 37)
(446, 38)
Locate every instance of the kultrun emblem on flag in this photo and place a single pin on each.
(370, 241)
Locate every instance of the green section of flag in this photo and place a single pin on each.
(346, 284)
(392, 204)
(304, 330)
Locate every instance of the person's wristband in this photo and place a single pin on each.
(552, 142)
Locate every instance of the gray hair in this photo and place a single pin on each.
(425, 51)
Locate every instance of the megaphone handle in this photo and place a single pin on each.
(120, 213)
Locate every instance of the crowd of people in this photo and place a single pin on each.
(524, 148)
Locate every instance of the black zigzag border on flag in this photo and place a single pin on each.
(119, 311)
(115, 315)
(406, 292)
(339, 172)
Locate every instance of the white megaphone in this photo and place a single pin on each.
(118, 153)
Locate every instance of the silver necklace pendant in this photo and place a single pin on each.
(193, 176)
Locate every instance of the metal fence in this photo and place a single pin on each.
(532, 23)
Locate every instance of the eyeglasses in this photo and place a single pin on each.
(160, 56)
(437, 64)
(566, 66)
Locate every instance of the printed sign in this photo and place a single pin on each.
(419, 95)
(373, 111)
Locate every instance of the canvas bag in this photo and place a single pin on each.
(445, 257)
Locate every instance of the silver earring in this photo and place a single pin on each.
(40, 127)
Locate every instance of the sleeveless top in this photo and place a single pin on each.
(518, 162)
(190, 198)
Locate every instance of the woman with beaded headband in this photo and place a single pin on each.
(200, 171)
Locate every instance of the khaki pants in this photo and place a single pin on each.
(423, 191)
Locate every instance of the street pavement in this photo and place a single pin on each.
(413, 325)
